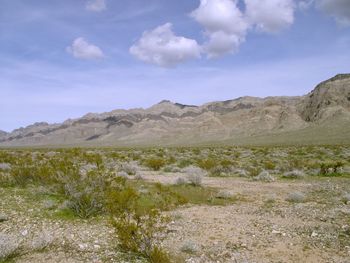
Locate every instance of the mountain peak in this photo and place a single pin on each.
(337, 77)
(165, 102)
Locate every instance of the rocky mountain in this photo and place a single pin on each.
(2, 134)
(322, 116)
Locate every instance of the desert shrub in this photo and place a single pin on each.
(180, 181)
(138, 177)
(159, 255)
(296, 197)
(49, 204)
(295, 174)
(155, 163)
(264, 176)
(220, 171)
(84, 169)
(138, 229)
(194, 175)
(22, 175)
(171, 169)
(189, 247)
(85, 195)
(130, 168)
(122, 174)
(253, 171)
(184, 163)
(207, 164)
(331, 168)
(269, 165)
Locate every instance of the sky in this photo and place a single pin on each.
(61, 59)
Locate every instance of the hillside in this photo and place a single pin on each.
(320, 117)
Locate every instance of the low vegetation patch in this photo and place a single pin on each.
(110, 184)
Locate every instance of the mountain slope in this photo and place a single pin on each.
(322, 116)
(3, 134)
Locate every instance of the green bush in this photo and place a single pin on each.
(138, 229)
(155, 163)
(207, 164)
(331, 168)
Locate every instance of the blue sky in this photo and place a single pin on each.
(61, 59)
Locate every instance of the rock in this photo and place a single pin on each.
(97, 247)
(314, 234)
(3, 218)
(276, 232)
(83, 247)
(25, 232)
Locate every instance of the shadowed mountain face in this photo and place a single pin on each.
(2, 134)
(322, 116)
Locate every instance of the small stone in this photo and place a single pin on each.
(275, 232)
(24, 232)
(3, 218)
(314, 234)
(83, 246)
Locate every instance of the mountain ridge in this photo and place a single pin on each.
(171, 123)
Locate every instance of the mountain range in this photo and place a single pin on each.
(320, 117)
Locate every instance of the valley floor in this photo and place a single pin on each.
(263, 224)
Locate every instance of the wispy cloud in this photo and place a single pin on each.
(83, 50)
(134, 13)
(96, 5)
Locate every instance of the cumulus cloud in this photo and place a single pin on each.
(96, 5)
(83, 50)
(224, 24)
(221, 43)
(339, 9)
(270, 16)
(163, 48)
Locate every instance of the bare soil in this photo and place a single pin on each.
(261, 226)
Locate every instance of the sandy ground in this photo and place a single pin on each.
(261, 226)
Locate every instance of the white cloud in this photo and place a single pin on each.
(83, 50)
(96, 5)
(163, 48)
(220, 43)
(224, 25)
(305, 4)
(270, 16)
(339, 9)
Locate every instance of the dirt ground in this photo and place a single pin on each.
(260, 226)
